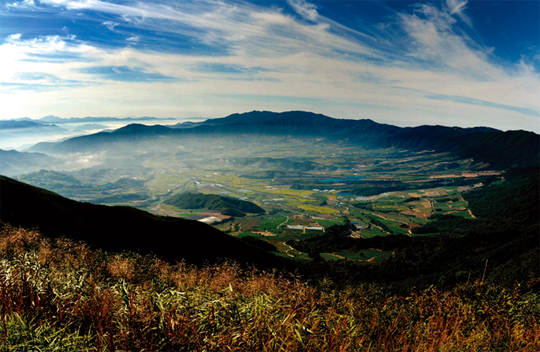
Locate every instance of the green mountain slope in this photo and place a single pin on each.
(122, 228)
(226, 205)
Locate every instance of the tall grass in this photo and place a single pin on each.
(61, 295)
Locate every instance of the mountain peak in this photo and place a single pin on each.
(51, 118)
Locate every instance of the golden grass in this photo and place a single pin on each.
(60, 295)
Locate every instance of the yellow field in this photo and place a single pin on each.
(390, 207)
(321, 210)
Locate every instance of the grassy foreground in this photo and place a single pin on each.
(60, 295)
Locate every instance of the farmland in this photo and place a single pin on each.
(322, 184)
(346, 186)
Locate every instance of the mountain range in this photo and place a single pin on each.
(25, 124)
(505, 230)
(485, 145)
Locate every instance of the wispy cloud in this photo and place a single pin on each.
(110, 25)
(457, 7)
(466, 100)
(304, 9)
(178, 53)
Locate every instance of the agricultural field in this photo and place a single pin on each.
(322, 184)
(326, 196)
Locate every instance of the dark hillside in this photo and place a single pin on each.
(503, 240)
(518, 199)
(258, 117)
(499, 149)
(122, 228)
(304, 123)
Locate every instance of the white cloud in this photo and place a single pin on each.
(21, 4)
(458, 7)
(435, 42)
(110, 25)
(304, 9)
(13, 38)
(273, 61)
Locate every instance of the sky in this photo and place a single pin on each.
(406, 63)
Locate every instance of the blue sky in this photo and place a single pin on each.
(408, 63)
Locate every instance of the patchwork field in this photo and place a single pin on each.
(323, 184)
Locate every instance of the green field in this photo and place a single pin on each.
(374, 254)
(246, 234)
(393, 207)
(328, 223)
(330, 256)
(272, 223)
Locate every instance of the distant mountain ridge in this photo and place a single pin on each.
(483, 144)
(26, 124)
(13, 162)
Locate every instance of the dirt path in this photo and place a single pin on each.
(469, 209)
(283, 223)
(291, 249)
(339, 256)
(158, 210)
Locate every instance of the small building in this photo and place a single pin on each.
(210, 219)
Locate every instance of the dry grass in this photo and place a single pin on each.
(60, 295)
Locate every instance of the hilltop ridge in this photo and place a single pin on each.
(499, 149)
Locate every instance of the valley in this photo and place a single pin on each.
(351, 200)
(240, 213)
(304, 185)
(240, 175)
